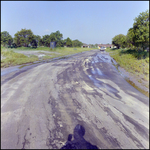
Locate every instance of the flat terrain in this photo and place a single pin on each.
(41, 105)
(39, 53)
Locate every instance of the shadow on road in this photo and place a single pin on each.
(79, 142)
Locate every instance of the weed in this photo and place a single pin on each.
(13, 58)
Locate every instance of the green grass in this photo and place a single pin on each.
(13, 58)
(132, 61)
(64, 51)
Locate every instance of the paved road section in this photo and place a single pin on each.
(42, 105)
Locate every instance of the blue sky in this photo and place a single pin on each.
(90, 22)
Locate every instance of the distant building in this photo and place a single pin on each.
(105, 45)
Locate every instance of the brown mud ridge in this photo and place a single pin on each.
(42, 104)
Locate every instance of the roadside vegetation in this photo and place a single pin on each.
(133, 61)
(137, 37)
(132, 50)
(12, 58)
(25, 40)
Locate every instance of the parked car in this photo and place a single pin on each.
(102, 48)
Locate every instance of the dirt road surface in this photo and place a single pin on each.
(41, 106)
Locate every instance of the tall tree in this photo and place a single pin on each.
(76, 43)
(37, 39)
(6, 38)
(57, 37)
(60, 43)
(52, 37)
(41, 43)
(46, 40)
(119, 41)
(129, 38)
(68, 42)
(24, 37)
(141, 30)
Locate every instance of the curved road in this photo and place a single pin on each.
(41, 106)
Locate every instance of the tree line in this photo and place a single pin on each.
(26, 38)
(137, 36)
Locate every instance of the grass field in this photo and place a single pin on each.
(12, 58)
(132, 61)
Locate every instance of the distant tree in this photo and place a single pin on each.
(119, 41)
(141, 30)
(58, 38)
(6, 38)
(92, 46)
(96, 45)
(34, 43)
(68, 42)
(24, 37)
(41, 43)
(46, 40)
(65, 40)
(13, 45)
(37, 38)
(60, 43)
(76, 43)
(53, 37)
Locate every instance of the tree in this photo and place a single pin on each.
(60, 43)
(41, 43)
(6, 38)
(92, 46)
(37, 38)
(53, 37)
(57, 37)
(96, 45)
(141, 30)
(119, 41)
(76, 43)
(129, 38)
(46, 40)
(68, 42)
(13, 45)
(24, 37)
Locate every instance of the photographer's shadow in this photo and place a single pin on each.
(79, 142)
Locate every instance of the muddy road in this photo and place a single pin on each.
(41, 105)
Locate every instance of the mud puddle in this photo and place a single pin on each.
(104, 57)
(114, 63)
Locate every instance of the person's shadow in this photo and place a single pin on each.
(79, 142)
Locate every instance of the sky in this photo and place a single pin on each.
(91, 22)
